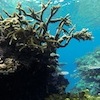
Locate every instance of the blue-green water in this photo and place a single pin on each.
(84, 13)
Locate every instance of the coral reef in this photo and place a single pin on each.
(28, 58)
(82, 95)
(88, 68)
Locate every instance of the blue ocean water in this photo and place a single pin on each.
(84, 13)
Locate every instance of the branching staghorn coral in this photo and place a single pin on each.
(39, 30)
(22, 33)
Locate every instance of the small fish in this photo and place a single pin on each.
(54, 54)
(62, 64)
(63, 73)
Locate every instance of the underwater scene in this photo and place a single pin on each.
(49, 50)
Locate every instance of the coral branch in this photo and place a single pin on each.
(44, 7)
(83, 34)
(53, 11)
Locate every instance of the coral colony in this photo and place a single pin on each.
(28, 58)
(88, 67)
(18, 32)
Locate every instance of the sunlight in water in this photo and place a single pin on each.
(88, 10)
